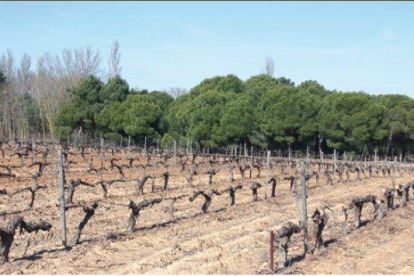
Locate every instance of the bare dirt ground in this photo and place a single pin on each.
(381, 247)
(226, 240)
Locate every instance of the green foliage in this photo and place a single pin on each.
(32, 113)
(314, 88)
(229, 83)
(204, 117)
(164, 101)
(196, 115)
(285, 81)
(284, 113)
(113, 137)
(85, 102)
(66, 121)
(237, 122)
(137, 116)
(262, 111)
(115, 90)
(167, 140)
(176, 117)
(351, 120)
(258, 85)
(89, 99)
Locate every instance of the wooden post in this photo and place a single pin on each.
(129, 142)
(393, 177)
(175, 152)
(76, 140)
(153, 171)
(102, 150)
(51, 165)
(62, 197)
(145, 145)
(267, 176)
(334, 159)
(271, 250)
(81, 136)
(33, 148)
(251, 162)
(304, 209)
(290, 155)
(307, 155)
(58, 140)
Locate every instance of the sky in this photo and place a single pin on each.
(347, 46)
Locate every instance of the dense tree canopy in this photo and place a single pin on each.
(262, 111)
(138, 116)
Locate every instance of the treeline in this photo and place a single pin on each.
(262, 111)
(67, 99)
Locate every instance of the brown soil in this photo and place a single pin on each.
(226, 240)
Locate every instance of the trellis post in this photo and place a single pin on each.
(175, 152)
(62, 197)
(304, 209)
(153, 171)
(271, 250)
(267, 169)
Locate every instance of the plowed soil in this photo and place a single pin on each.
(226, 240)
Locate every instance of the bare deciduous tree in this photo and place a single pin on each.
(47, 86)
(269, 66)
(114, 60)
(176, 92)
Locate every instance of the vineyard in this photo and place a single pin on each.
(145, 210)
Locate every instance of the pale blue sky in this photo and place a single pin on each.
(349, 46)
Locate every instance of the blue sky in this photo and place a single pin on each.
(348, 46)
